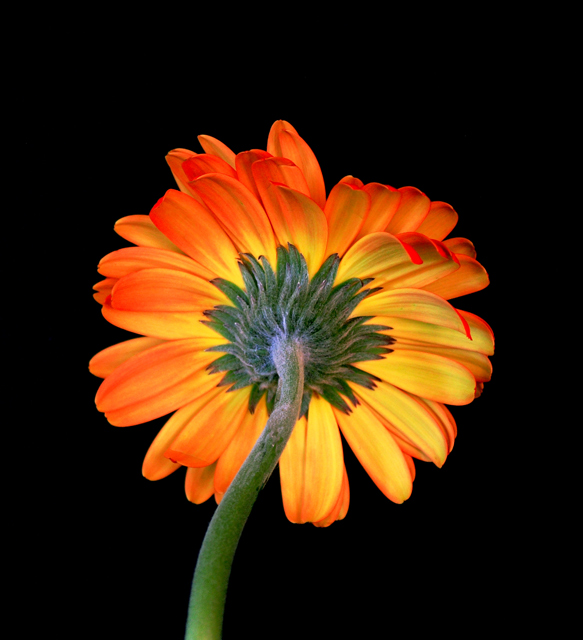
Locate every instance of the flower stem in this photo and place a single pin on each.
(211, 576)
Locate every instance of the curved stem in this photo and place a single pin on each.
(211, 576)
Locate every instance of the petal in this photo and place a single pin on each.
(140, 230)
(384, 202)
(240, 446)
(104, 289)
(239, 213)
(340, 508)
(165, 290)
(199, 165)
(470, 277)
(312, 465)
(374, 254)
(412, 210)
(156, 382)
(377, 452)
(407, 419)
(216, 148)
(204, 438)
(346, 210)
(119, 263)
(425, 374)
(166, 325)
(437, 262)
(304, 223)
(461, 245)
(414, 304)
(107, 361)
(284, 141)
(195, 230)
(244, 163)
(439, 222)
(156, 465)
(199, 484)
(175, 160)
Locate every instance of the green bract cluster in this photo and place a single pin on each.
(287, 304)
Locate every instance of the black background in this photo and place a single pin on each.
(128, 546)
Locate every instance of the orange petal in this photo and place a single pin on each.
(156, 382)
(374, 254)
(195, 230)
(104, 289)
(384, 202)
(244, 164)
(377, 452)
(199, 484)
(165, 290)
(285, 142)
(346, 210)
(156, 465)
(199, 165)
(470, 277)
(240, 446)
(439, 222)
(239, 213)
(425, 374)
(407, 419)
(312, 465)
(216, 148)
(461, 245)
(140, 230)
(105, 362)
(119, 263)
(204, 439)
(413, 208)
(175, 160)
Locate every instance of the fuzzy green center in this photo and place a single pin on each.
(287, 304)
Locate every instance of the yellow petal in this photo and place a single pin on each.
(311, 465)
(425, 374)
(204, 439)
(377, 451)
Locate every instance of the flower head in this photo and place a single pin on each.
(250, 250)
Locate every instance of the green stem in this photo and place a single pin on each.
(211, 576)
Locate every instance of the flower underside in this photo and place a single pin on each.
(286, 304)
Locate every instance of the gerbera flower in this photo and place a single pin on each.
(250, 248)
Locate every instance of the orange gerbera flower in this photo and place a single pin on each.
(249, 248)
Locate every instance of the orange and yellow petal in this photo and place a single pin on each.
(469, 278)
(107, 361)
(156, 465)
(215, 147)
(407, 419)
(439, 221)
(312, 465)
(156, 382)
(195, 230)
(377, 451)
(346, 211)
(199, 483)
(425, 374)
(141, 231)
(206, 436)
(340, 508)
(412, 210)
